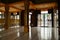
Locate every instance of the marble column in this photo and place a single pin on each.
(7, 17)
(26, 16)
(22, 18)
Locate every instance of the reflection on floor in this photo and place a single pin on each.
(44, 33)
(35, 33)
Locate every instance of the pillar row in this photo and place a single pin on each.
(7, 17)
(26, 16)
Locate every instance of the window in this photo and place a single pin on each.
(44, 18)
(1, 15)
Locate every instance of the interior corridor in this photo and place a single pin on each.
(29, 20)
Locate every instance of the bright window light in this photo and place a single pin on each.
(15, 13)
(0, 12)
(17, 16)
(57, 11)
(44, 11)
(30, 12)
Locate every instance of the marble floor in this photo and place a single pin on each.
(35, 33)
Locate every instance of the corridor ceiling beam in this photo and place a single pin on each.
(18, 6)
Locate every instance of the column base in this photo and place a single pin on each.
(6, 27)
(26, 29)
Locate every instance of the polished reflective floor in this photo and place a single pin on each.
(44, 33)
(35, 33)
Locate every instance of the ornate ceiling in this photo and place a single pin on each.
(18, 5)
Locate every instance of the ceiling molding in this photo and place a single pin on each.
(46, 5)
(15, 7)
(18, 6)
